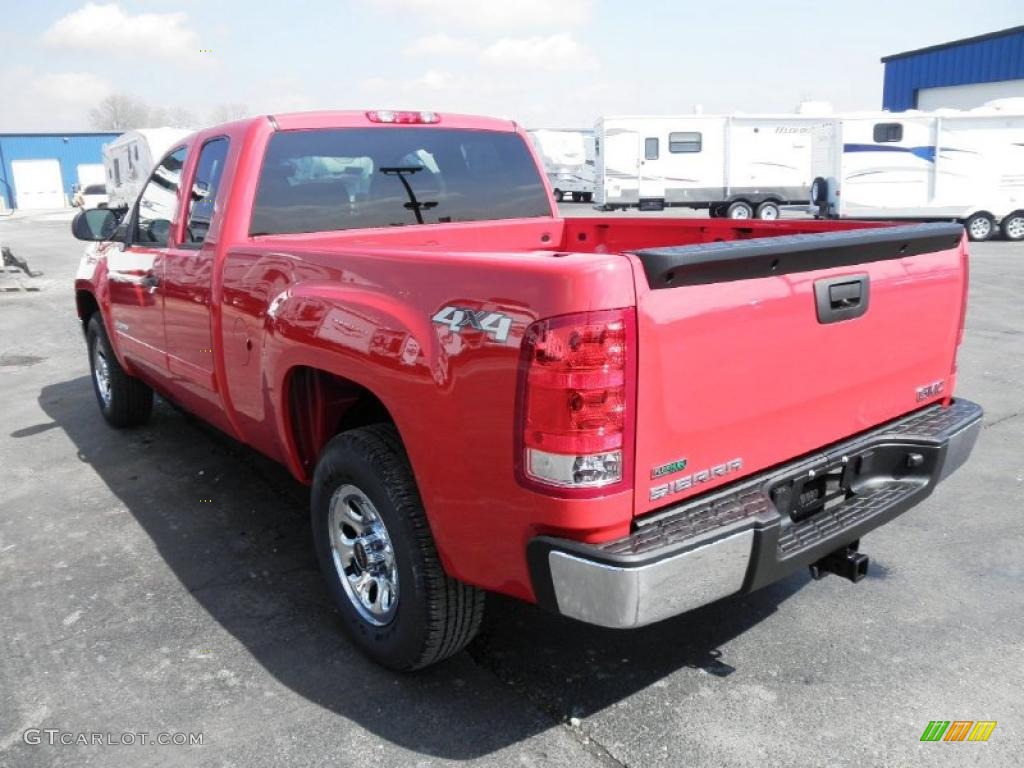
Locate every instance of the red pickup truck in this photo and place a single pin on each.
(617, 418)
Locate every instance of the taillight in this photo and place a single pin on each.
(391, 116)
(576, 403)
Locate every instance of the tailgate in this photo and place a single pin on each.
(754, 352)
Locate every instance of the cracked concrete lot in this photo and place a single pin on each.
(130, 605)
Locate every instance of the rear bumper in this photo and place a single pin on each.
(738, 539)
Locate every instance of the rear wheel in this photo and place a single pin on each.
(739, 210)
(768, 210)
(124, 400)
(1013, 226)
(980, 226)
(378, 556)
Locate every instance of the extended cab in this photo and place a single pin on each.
(618, 418)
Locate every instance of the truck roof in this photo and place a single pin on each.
(359, 119)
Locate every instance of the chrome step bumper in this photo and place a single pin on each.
(737, 539)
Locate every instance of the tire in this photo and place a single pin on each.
(980, 226)
(1012, 226)
(364, 500)
(558, 195)
(588, 196)
(577, 197)
(819, 191)
(124, 400)
(715, 211)
(769, 211)
(739, 210)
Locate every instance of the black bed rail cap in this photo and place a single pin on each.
(722, 262)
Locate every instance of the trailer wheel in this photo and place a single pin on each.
(1013, 226)
(980, 226)
(768, 210)
(377, 554)
(739, 210)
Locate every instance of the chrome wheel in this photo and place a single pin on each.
(980, 227)
(364, 557)
(101, 372)
(1013, 228)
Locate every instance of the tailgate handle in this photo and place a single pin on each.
(841, 298)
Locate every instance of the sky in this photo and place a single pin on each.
(544, 63)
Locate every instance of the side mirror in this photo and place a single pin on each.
(94, 224)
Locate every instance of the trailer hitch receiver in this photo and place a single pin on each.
(846, 562)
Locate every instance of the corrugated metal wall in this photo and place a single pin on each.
(71, 149)
(980, 61)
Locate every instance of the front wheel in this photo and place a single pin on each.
(124, 400)
(376, 552)
(980, 226)
(1013, 226)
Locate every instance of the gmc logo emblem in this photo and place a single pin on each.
(930, 390)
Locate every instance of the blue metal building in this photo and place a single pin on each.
(960, 74)
(20, 154)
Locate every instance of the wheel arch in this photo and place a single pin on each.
(316, 405)
(87, 305)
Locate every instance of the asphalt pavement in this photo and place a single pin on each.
(130, 606)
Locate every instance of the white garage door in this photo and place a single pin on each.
(968, 96)
(38, 184)
(91, 173)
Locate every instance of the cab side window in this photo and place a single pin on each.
(158, 202)
(205, 188)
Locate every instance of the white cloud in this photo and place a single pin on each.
(501, 14)
(57, 101)
(559, 51)
(107, 28)
(71, 87)
(441, 45)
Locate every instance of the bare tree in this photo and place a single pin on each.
(174, 117)
(119, 112)
(225, 113)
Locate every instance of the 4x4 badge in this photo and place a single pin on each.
(494, 324)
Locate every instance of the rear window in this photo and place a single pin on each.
(351, 178)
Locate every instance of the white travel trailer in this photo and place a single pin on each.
(568, 158)
(967, 166)
(130, 158)
(738, 166)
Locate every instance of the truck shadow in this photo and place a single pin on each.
(233, 528)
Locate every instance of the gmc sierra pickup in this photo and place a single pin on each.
(617, 418)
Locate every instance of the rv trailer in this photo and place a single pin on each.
(966, 166)
(130, 158)
(739, 166)
(568, 158)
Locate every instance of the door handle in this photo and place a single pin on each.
(841, 298)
